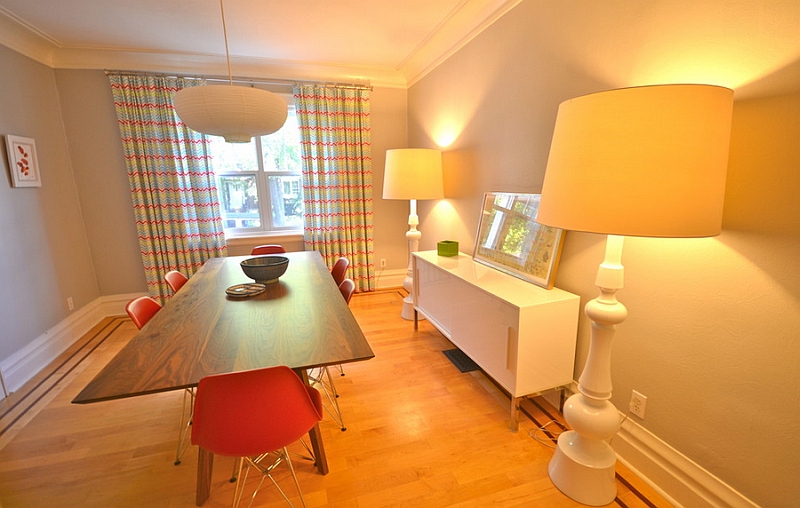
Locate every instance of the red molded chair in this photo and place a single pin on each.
(347, 288)
(255, 415)
(141, 310)
(339, 269)
(321, 376)
(175, 280)
(267, 249)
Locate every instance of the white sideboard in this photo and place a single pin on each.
(521, 335)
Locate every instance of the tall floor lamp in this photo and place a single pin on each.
(645, 161)
(412, 173)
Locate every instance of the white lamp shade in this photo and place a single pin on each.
(236, 113)
(413, 173)
(644, 161)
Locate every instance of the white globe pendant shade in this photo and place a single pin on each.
(236, 113)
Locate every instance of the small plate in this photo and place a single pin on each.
(245, 290)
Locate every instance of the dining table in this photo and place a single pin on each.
(301, 321)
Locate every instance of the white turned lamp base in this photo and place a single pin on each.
(412, 235)
(583, 464)
(586, 484)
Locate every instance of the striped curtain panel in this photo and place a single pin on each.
(172, 183)
(337, 176)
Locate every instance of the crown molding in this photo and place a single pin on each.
(24, 40)
(464, 22)
(215, 65)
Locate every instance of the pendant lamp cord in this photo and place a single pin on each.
(225, 34)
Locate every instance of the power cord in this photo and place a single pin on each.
(550, 436)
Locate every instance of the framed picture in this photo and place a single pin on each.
(510, 240)
(22, 162)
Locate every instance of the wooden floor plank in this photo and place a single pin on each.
(419, 434)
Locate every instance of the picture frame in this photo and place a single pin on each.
(510, 240)
(23, 163)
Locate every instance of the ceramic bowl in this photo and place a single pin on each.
(265, 269)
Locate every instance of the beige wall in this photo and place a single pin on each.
(44, 249)
(91, 128)
(712, 334)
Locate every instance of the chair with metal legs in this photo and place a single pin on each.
(175, 280)
(320, 377)
(254, 415)
(141, 310)
(260, 250)
(339, 270)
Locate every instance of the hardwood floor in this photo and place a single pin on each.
(419, 434)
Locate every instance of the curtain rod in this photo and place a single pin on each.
(252, 81)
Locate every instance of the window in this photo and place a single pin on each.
(259, 182)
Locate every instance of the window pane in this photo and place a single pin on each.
(286, 200)
(239, 201)
(281, 150)
(232, 157)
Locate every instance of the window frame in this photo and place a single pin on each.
(262, 182)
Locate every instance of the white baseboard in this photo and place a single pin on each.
(25, 363)
(390, 278)
(680, 480)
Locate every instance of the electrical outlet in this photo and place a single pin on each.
(383, 262)
(638, 404)
(70, 303)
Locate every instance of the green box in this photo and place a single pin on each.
(447, 248)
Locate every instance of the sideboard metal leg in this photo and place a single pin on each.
(515, 401)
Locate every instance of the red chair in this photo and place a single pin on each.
(339, 269)
(253, 415)
(267, 249)
(321, 376)
(175, 280)
(141, 310)
(347, 288)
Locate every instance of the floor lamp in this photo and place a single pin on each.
(645, 161)
(412, 174)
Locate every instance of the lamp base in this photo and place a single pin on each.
(408, 310)
(591, 482)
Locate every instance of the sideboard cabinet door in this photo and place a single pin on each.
(521, 335)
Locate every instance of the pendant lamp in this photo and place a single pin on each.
(236, 113)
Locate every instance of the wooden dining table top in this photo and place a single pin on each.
(300, 321)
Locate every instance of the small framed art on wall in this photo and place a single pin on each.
(22, 161)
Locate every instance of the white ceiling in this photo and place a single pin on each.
(384, 42)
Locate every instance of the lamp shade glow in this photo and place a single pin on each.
(644, 161)
(413, 173)
(236, 113)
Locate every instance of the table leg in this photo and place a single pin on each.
(315, 435)
(205, 464)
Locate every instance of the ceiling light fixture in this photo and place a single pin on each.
(236, 113)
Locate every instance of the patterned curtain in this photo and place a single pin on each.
(172, 183)
(337, 176)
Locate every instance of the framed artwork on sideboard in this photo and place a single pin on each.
(510, 240)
